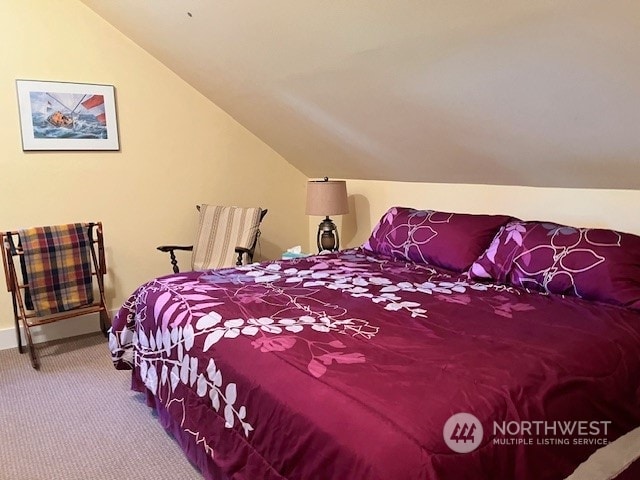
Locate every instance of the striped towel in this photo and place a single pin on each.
(221, 230)
(57, 261)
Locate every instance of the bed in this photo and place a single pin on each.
(440, 349)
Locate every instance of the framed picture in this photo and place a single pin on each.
(67, 116)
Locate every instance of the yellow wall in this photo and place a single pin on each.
(368, 200)
(177, 150)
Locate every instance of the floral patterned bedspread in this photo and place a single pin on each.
(349, 365)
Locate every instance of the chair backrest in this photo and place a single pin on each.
(56, 264)
(221, 230)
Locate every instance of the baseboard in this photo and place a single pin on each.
(70, 327)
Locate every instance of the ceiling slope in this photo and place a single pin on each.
(540, 93)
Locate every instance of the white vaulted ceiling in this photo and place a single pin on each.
(513, 92)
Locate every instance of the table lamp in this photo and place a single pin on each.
(327, 197)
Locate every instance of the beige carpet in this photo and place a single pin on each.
(76, 418)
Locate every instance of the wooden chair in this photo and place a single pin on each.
(227, 236)
(51, 273)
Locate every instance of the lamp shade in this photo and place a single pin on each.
(327, 197)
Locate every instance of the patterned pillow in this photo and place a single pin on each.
(449, 240)
(591, 263)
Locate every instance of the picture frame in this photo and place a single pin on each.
(67, 116)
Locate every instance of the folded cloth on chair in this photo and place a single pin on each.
(220, 231)
(58, 267)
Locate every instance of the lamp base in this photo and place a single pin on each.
(328, 239)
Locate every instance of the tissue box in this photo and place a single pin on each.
(289, 255)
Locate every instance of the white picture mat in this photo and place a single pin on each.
(30, 142)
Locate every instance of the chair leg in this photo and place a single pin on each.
(104, 320)
(35, 362)
(19, 337)
(17, 322)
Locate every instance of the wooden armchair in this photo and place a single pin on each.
(227, 236)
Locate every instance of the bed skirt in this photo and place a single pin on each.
(194, 453)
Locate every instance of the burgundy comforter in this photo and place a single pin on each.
(348, 366)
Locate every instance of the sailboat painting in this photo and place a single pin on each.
(67, 116)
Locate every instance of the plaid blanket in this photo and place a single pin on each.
(57, 261)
